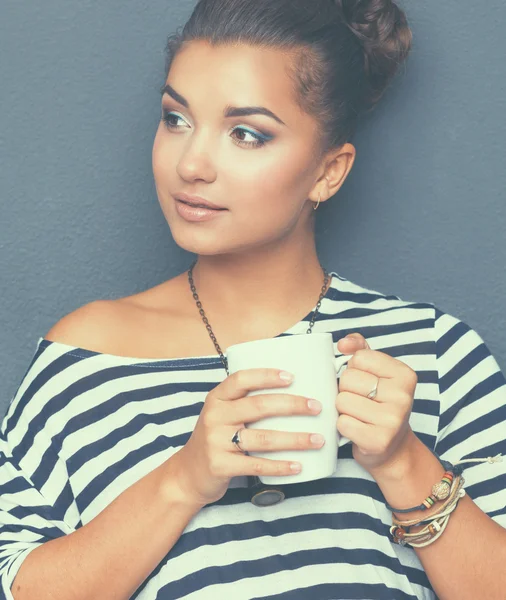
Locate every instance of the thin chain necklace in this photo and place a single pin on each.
(208, 326)
(263, 495)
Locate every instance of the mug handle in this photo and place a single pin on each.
(342, 440)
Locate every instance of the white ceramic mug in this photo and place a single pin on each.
(310, 357)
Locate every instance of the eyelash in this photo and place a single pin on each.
(259, 143)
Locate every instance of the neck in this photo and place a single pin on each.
(265, 291)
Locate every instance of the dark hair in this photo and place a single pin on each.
(344, 52)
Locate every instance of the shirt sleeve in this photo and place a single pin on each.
(472, 418)
(36, 500)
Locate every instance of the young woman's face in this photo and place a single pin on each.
(260, 169)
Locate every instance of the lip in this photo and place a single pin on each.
(195, 213)
(197, 200)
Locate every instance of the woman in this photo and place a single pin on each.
(124, 454)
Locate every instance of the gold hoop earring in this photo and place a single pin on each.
(319, 198)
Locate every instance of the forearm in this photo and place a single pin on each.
(115, 552)
(469, 557)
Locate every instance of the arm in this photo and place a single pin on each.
(45, 551)
(467, 561)
(114, 553)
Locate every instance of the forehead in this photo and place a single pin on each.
(238, 74)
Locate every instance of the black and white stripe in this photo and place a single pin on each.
(83, 426)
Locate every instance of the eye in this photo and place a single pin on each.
(259, 139)
(166, 117)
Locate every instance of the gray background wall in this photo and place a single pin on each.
(422, 214)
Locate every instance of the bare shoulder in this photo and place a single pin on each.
(150, 323)
(87, 326)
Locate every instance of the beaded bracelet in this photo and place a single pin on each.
(435, 529)
(458, 483)
(400, 530)
(430, 533)
(435, 525)
(441, 490)
(406, 526)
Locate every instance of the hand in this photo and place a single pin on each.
(378, 428)
(207, 462)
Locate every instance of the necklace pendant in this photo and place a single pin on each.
(264, 495)
(268, 497)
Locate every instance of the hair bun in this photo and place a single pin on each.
(382, 28)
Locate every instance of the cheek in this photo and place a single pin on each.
(157, 158)
(270, 187)
(163, 171)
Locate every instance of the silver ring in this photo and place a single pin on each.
(237, 439)
(373, 392)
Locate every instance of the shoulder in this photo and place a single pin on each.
(88, 324)
(122, 325)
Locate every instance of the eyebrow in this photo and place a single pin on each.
(230, 111)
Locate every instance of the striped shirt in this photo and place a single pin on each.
(83, 426)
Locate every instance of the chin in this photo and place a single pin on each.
(198, 242)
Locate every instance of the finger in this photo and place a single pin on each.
(384, 366)
(359, 382)
(364, 435)
(368, 438)
(241, 382)
(259, 406)
(362, 383)
(359, 408)
(269, 440)
(239, 464)
(351, 343)
(387, 416)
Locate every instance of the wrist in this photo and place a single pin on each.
(408, 479)
(172, 486)
(402, 464)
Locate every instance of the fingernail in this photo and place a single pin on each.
(316, 438)
(314, 405)
(285, 376)
(295, 467)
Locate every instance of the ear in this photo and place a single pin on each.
(335, 167)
